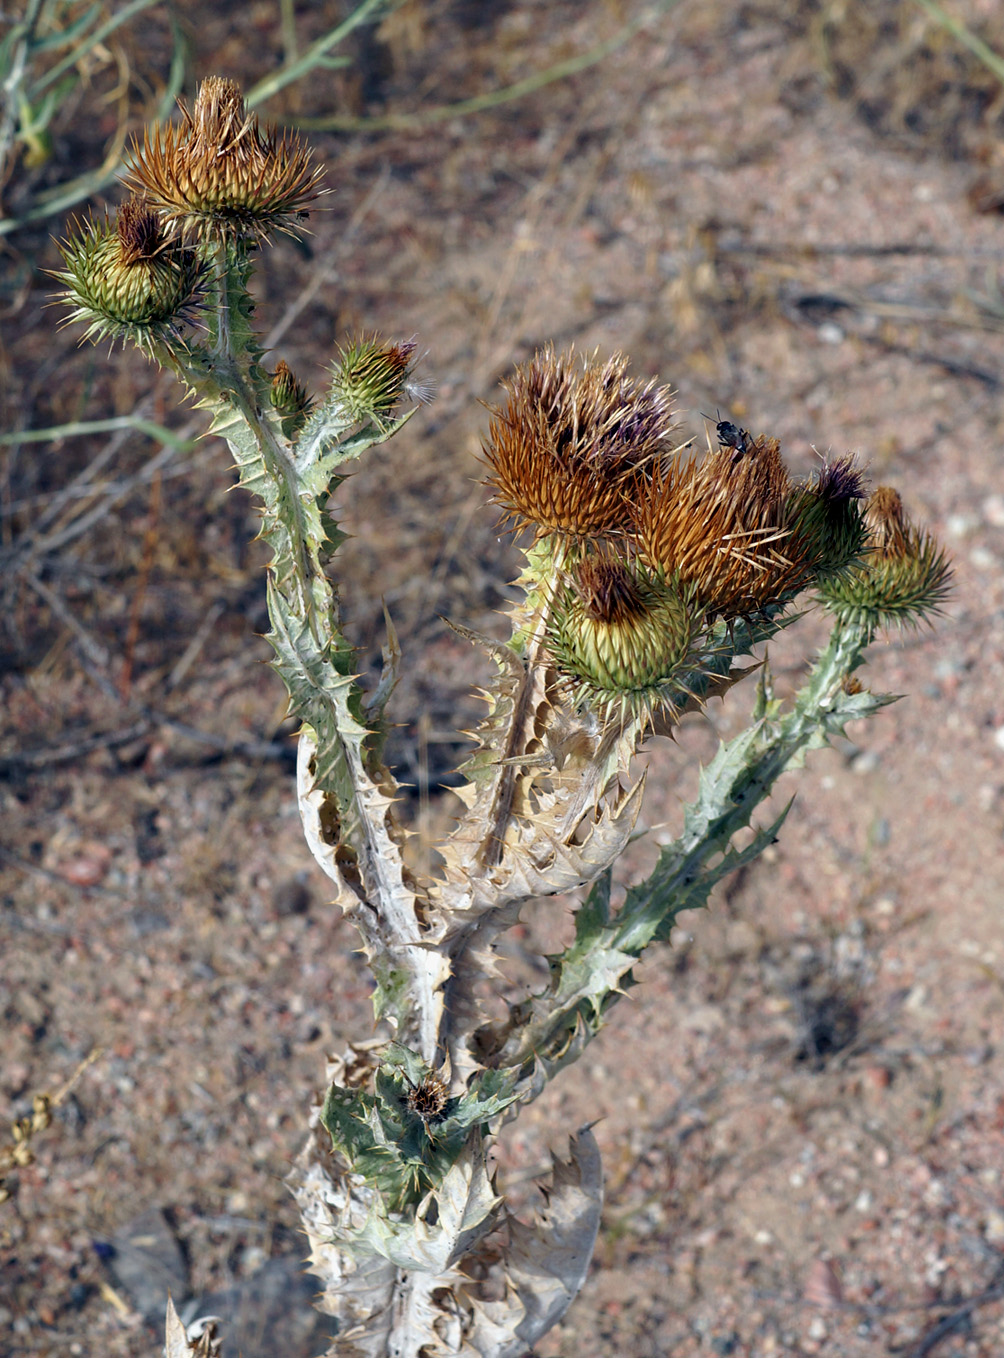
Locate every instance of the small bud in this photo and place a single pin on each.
(885, 520)
(575, 444)
(371, 377)
(130, 279)
(621, 636)
(289, 397)
(218, 174)
(903, 577)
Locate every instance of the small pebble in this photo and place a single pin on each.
(877, 1077)
(959, 526)
(865, 762)
(880, 833)
(949, 667)
(822, 1285)
(88, 867)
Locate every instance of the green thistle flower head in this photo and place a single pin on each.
(219, 175)
(372, 376)
(902, 579)
(827, 529)
(623, 638)
(128, 279)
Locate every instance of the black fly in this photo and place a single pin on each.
(731, 436)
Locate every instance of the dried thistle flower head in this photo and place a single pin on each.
(901, 580)
(428, 1099)
(372, 375)
(736, 527)
(622, 637)
(720, 525)
(130, 279)
(218, 174)
(575, 443)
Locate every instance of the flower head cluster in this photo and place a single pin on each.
(745, 536)
(129, 279)
(651, 546)
(215, 176)
(219, 174)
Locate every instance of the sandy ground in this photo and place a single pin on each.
(787, 212)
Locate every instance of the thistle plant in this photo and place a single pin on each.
(651, 578)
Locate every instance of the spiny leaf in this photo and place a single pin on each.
(547, 1260)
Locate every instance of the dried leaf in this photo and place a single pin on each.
(175, 1339)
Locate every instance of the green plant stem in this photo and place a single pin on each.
(966, 37)
(345, 794)
(315, 55)
(561, 70)
(84, 428)
(102, 32)
(14, 65)
(287, 27)
(552, 1029)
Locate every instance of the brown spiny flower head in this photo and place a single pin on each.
(623, 638)
(130, 279)
(611, 592)
(575, 443)
(902, 579)
(372, 375)
(885, 521)
(218, 174)
(428, 1099)
(720, 526)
